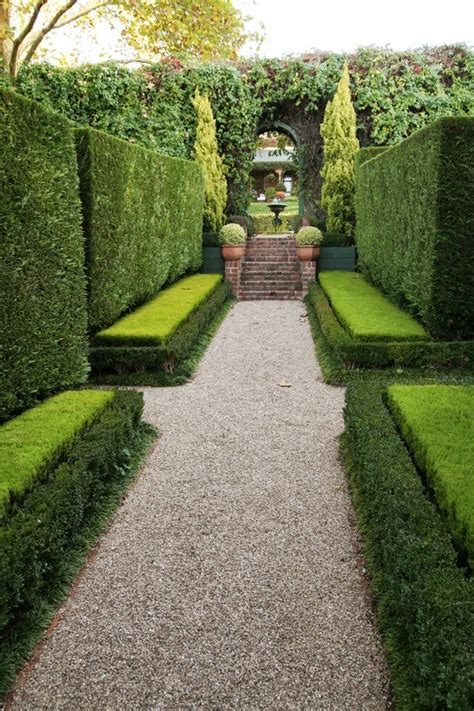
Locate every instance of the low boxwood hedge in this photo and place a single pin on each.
(381, 354)
(31, 442)
(437, 423)
(127, 358)
(425, 601)
(43, 540)
(364, 312)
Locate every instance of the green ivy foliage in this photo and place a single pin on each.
(394, 93)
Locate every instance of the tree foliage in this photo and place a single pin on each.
(207, 155)
(338, 131)
(199, 29)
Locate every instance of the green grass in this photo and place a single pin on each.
(156, 321)
(261, 208)
(365, 312)
(437, 422)
(32, 440)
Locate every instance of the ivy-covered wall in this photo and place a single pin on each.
(394, 94)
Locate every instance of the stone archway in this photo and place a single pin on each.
(289, 131)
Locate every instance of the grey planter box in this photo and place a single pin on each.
(337, 258)
(212, 262)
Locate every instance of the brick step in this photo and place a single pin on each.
(271, 283)
(277, 296)
(264, 258)
(277, 268)
(269, 289)
(276, 271)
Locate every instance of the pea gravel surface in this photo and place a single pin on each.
(231, 576)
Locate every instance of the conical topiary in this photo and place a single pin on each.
(207, 155)
(340, 146)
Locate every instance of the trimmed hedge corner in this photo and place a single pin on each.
(43, 346)
(415, 221)
(424, 601)
(43, 540)
(382, 354)
(142, 219)
(436, 422)
(162, 332)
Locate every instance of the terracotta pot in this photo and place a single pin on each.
(307, 253)
(280, 195)
(230, 251)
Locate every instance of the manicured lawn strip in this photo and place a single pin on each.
(382, 354)
(45, 541)
(365, 312)
(424, 601)
(261, 208)
(437, 422)
(185, 368)
(35, 439)
(167, 357)
(157, 320)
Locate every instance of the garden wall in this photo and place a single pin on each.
(415, 221)
(142, 219)
(42, 282)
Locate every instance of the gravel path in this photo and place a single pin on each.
(230, 577)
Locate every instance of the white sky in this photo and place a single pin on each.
(297, 26)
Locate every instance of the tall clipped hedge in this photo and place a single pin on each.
(366, 153)
(142, 219)
(42, 281)
(415, 221)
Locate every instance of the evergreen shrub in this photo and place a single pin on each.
(142, 219)
(206, 153)
(43, 345)
(232, 234)
(415, 221)
(340, 146)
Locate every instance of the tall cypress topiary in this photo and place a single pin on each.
(207, 155)
(340, 147)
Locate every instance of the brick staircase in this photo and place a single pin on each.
(270, 269)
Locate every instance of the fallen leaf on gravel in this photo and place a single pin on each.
(284, 384)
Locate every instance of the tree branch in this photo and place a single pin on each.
(81, 14)
(17, 42)
(47, 28)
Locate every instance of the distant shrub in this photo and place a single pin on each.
(232, 234)
(244, 221)
(43, 346)
(280, 187)
(270, 194)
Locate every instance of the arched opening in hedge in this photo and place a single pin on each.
(284, 128)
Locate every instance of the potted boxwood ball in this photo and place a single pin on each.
(308, 240)
(232, 241)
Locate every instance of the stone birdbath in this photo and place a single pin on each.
(277, 208)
